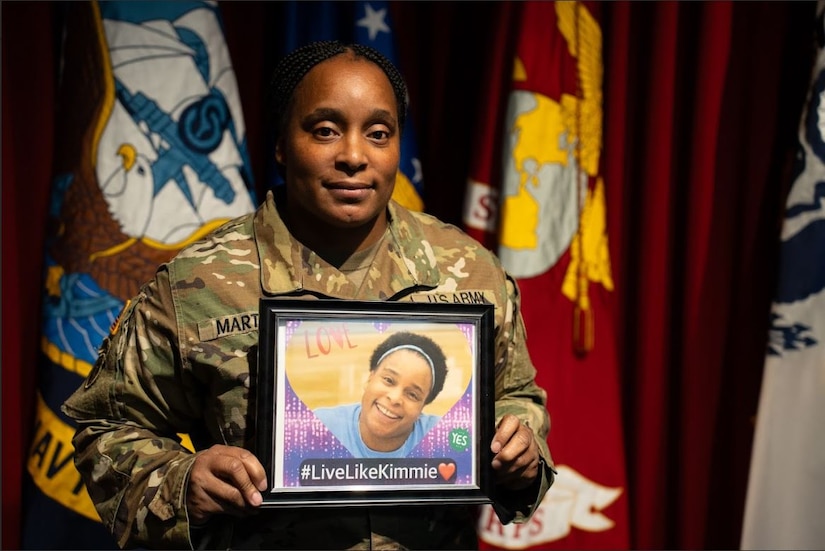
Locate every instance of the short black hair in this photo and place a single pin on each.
(425, 344)
(293, 67)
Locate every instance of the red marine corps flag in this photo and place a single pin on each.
(536, 196)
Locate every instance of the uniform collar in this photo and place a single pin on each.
(405, 261)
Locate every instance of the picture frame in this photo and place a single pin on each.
(319, 359)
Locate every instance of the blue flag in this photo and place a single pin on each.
(366, 23)
(151, 154)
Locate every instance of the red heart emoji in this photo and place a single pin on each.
(446, 470)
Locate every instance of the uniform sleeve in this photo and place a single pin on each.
(517, 393)
(127, 447)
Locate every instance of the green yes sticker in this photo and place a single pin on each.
(459, 439)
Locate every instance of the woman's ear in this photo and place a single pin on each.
(279, 154)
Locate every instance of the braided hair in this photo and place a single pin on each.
(291, 69)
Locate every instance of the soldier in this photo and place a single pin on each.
(174, 363)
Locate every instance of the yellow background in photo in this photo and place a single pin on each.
(327, 362)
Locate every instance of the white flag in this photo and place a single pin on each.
(785, 505)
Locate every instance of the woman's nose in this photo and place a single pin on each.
(394, 395)
(352, 156)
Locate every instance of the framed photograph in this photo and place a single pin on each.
(365, 402)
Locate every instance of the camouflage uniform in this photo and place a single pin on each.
(178, 361)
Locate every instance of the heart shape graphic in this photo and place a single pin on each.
(446, 470)
(326, 362)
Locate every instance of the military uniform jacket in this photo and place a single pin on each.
(178, 362)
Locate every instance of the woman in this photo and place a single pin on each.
(338, 112)
(407, 371)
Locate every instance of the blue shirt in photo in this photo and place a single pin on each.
(342, 421)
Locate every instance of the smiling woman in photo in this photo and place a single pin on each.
(407, 371)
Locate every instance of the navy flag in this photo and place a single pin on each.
(150, 155)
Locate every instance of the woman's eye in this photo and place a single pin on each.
(414, 396)
(324, 132)
(379, 135)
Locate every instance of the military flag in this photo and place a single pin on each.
(367, 23)
(786, 486)
(150, 155)
(542, 206)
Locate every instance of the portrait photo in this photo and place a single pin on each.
(375, 400)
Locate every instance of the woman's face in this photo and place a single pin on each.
(341, 146)
(393, 399)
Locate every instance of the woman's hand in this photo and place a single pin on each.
(516, 459)
(224, 479)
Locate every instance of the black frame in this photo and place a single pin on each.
(278, 314)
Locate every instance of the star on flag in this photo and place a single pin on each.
(374, 21)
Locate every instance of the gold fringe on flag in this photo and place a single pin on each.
(583, 329)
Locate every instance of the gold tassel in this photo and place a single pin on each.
(583, 331)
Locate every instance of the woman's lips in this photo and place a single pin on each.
(349, 191)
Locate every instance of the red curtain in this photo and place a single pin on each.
(28, 98)
(702, 101)
(702, 104)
